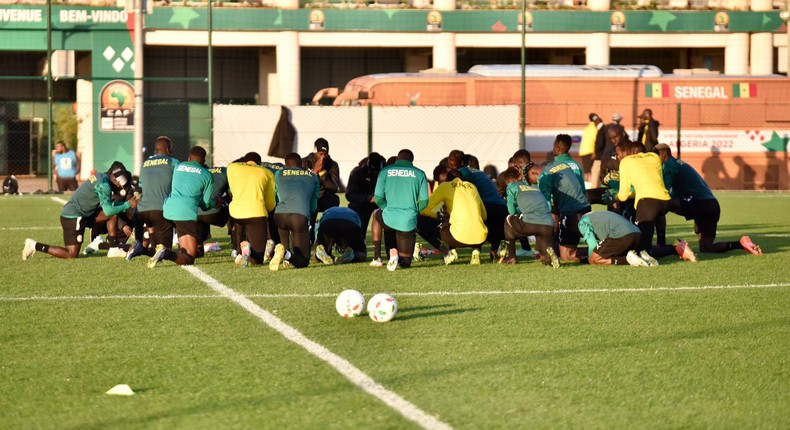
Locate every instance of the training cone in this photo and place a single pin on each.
(120, 390)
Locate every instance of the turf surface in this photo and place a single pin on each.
(681, 345)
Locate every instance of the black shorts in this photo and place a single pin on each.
(618, 246)
(568, 232)
(205, 221)
(404, 240)
(587, 161)
(163, 229)
(649, 209)
(342, 232)
(705, 213)
(67, 184)
(74, 229)
(186, 228)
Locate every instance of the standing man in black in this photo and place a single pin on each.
(328, 177)
(648, 130)
(362, 185)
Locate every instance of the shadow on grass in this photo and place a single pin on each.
(430, 311)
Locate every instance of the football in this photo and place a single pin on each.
(382, 307)
(350, 304)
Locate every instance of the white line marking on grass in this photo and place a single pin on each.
(30, 228)
(343, 366)
(59, 200)
(775, 235)
(403, 293)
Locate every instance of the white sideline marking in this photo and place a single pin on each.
(59, 200)
(30, 228)
(343, 366)
(403, 293)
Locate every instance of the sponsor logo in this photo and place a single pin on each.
(116, 101)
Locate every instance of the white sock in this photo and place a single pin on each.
(287, 255)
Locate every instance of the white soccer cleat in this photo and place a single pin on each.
(245, 254)
(392, 264)
(158, 256)
(649, 258)
(376, 262)
(635, 260)
(475, 261)
(417, 254)
(268, 252)
(93, 247)
(116, 252)
(29, 249)
(320, 253)
(450, 257)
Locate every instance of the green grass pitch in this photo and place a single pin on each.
(681, 345)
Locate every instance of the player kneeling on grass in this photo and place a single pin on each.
(193, 187)
(340, 228)
(613, 240)
(462, 217)
(692, 198)
(91, 203)
(297, 199)
(530, 214)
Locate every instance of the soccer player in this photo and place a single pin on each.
(496, 210)
(692, 198)
(401, 193)
(529, 214)
(217, 216)
(562, 183)
(193, 187)
(156, 178)
(340, 228)
(328, 173)
(462, 218)
(66, 165)
(612, 240)
(297, 199)
(91, 203)
(252, 187)
(362, 184)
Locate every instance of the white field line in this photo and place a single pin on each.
(54, 227)
(403, 293)
(343, 366)
(59, 200)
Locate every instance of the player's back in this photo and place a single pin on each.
(156, 177)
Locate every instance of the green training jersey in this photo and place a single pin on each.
(156, 177)
(401, 193)
(562, 183)
(220, 177)
(192, 187)
(297, 191)
(527, 200)
(683, 181)
(94, 193)
(485, 186)
(595, 227)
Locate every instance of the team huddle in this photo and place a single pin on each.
(271, 209)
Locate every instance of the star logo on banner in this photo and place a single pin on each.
(777, 143)
(662, 19)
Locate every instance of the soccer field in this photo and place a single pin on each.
(681, 345)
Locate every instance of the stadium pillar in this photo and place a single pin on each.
(736, 54)
(444, 4)
(444, 51)
(598, 49)
(761, 54)
(288, 68)
(267, 77)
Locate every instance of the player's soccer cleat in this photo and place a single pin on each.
(320, 253)
(211, 247)
(417, 255)
(29, 249)
(158, 256)
(475, 261)
(684, 251)
(511, 260)
(268, 252)
(649, 258)
(749, 246)
(233, 253)
(175, 240)
(93, 247)
(116, 252)
(376, 262)
(277, 258)
(450, 257)
(635, 260)
(553, 260)
(502, 253)
(136, 250)
(392, 264)
(524, 253)
(346, 257)
(245, 254)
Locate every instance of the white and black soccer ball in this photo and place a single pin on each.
(350, 304)
(382, 307)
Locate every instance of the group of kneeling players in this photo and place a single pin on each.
(270, 209)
